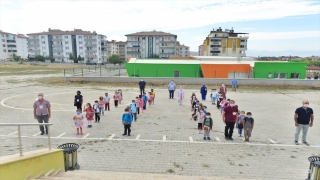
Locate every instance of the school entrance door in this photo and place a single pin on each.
(176, 74)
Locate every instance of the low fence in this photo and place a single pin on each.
(200, 81)
(97, 70)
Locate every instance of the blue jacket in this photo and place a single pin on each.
(133, 108)
(142, 84)
(234, 82)
(145, 99)
(127, 117)
(203, 90)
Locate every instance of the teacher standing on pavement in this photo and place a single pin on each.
(42, 112)
(203, 92)
(303, 118)
(142, 85)
(229, 117)
(171, 88)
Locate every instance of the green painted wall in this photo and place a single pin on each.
(262, 69)
(162, 70)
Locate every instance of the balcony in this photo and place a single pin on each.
(133, 52)
(58, 56)
(91, 51)
(90, 45)
(12, 46)
(57, 50)
(90, 39)
(34, 45)
(57, 39)
(167, 52)
(214, 54)
(33, 39)
(91, 56)
(166, 47)
(215, 49)
(34, 50)
(57, 45)
(215, 42)
(11, 41)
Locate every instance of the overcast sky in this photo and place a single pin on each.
(273, 25)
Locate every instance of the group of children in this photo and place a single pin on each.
(243, 122)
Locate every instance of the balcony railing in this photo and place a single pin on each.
(58, 56)
(12, 46)
(91, 56)
(133, 52)
(33, 39)
(11, 41)
(91, 51)
(57, 39)
(90, 39)
(34, 45)
(57, 45)
(90, 45)
(57, 50)
(34, 50)
(28, 124)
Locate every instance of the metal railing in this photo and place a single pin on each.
(28, 124)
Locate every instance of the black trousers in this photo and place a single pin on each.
(116, 103)
(43, 119)
(138, 110)
(141, 91)
(228, 130)
(127, 129)
(79, 105)
(171, 94)
(97, 117)
(134, 116)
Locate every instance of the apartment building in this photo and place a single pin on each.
(117, 47)
(122, 50)
(60, 44)
(147, 43)
(13, 44)
(200, 50)
(184, 51)
(225, 43)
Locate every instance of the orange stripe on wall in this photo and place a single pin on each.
(222, 70)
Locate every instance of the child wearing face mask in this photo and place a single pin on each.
(78, 121)
(199, 116)
(207, 126)
(223, 104)
(248, 124)
(239, 122)
(89, 114)
(96, 111)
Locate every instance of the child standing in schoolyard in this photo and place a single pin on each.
(116, 98)
(89, 114)
(214, 95)
(193, 100)
(248, 126)
(223, 103)
(78, 121)
(133, 109)
(120, 96)
(239, 122)
(207, 126)
(149, 98)
(107, 101)
(204, 108)
(101, 103)
(141, 103)
(153, 96)
(145, 99)
(127, 121)
(137, 102)
(200, 116)
(96, 111)
(219, 101)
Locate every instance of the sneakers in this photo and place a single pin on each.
(209, 138)
(77, 133)
(231, 139)
(129, 135)
(226, 138)
(296, 142)
(305, 143)
(42, 133)
(81, 133)
(124, 134)
(204, 138)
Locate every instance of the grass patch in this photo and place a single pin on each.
(176, 165)
(170, 171)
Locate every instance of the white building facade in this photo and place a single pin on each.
(13, 44)
(149, 43)
(184, 51)
(60, 44)
(118, 48)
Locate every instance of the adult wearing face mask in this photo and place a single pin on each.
(203, 92)
(78, 100)
(171, 88)
(42, 112)
(142, 85)
(223, 91)
(229, 117)
(302, 117)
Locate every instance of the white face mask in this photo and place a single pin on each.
(305, 105)
(231, 105)
(248, 116)
(207, 116)
(39, 97)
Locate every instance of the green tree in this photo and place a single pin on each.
(80, 58)
(16, 57)
(49, 58)
(39, 58)
(115, 59)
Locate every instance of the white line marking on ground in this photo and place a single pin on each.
(12, 133)
(190, 139)
(217, 139)
(61, 134)
(86, 136)
(111, 137)
(164, 137)
(138, 137)
(36, 134)
(242, 139)
(272, 141)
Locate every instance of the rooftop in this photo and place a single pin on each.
(2, 32)
(151, 33)
(22, 36)
(59, 32)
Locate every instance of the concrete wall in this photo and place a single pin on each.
(200, 81)
(31, 164)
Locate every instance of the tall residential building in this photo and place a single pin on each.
(200, 50)
(122, 50)
(117, 47)
(13, 44)
(147, 43)
(60, 44)
(225, 43)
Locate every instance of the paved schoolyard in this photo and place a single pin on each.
(164, 140)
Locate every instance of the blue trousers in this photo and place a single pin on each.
(203, 96)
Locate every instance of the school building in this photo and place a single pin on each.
(214, 67)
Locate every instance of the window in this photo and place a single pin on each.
(2, 35)
(242, 40)
(80, 37)
(215, 51)
(280, 75)
(3, 40)
(234, 40)
(294, 75)
(67, 47)
(4, 50)
(42, 37)
(67, 53)
(43, 42)
(80, 42)
(66, 37)
(3, 45)
(80, 47)
(241, 46)
(57, 37)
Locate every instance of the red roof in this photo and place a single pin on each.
(313, 68)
